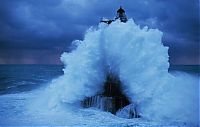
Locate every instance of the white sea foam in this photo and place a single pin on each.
(139, 58)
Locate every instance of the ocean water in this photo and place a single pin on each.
(21, 83)
(24, 78)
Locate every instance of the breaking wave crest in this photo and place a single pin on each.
(137, 56)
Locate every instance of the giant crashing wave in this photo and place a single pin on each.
(137, 56)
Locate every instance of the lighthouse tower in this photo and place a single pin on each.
(121, 15)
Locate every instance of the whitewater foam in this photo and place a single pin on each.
(140, 60)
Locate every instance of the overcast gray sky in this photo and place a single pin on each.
(38, 31)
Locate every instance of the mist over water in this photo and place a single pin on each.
(137, 56)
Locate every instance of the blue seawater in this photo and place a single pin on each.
(20, 84)
(22, 78)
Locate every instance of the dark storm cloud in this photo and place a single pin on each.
(49, 26)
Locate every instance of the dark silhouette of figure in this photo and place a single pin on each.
(120, 15)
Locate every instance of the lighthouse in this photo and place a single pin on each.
(121, 15)
(111, 97)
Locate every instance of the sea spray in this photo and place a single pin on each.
(137, 56)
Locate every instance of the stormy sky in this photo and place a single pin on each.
(38, 31)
